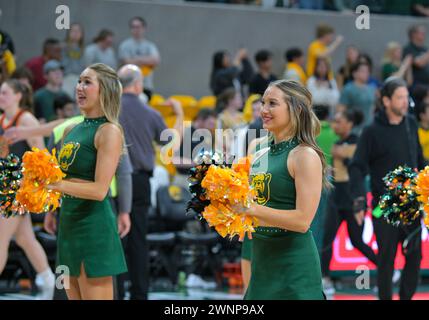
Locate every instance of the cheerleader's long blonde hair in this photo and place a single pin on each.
(110, 93)
(304, 124)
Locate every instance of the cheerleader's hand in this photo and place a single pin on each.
(54, 186)
(249, 211)
(124, 224)
(50, 223)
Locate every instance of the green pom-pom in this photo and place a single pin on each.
(10, 178)
(399, 205)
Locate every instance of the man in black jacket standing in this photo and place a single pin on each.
(390, 141)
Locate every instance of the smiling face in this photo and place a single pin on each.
(274, 110)
(88, 90)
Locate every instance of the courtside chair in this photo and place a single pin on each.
(17, 267)
(165, 220)
(196, 245)
(161, 246)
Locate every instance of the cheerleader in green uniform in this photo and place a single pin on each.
(88, 240)
(288, 176)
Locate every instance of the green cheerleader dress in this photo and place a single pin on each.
(88, 232)
(285, 265)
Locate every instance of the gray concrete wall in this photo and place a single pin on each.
(188, 34)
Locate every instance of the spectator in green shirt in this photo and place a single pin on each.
(327, 136)
(44, 97)
(393, 66)
(326, 140)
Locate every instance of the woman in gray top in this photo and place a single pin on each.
(72, 58)
(101, 50)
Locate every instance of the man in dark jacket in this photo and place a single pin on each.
(390, 141)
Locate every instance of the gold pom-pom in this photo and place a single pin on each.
(422, 185)
(40, 168)
(230, 193)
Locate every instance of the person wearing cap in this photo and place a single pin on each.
(44, 97)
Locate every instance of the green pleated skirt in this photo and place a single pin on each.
(246, 249)
(285, 266)
(88, 235)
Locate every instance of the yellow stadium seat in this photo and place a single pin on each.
(185, 100)
(189, 105)
(165, 110)
(156, 99)
(207, 102)
(190, 112)
(170, 121)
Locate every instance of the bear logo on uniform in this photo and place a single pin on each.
(261, 184)
(68, 154)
